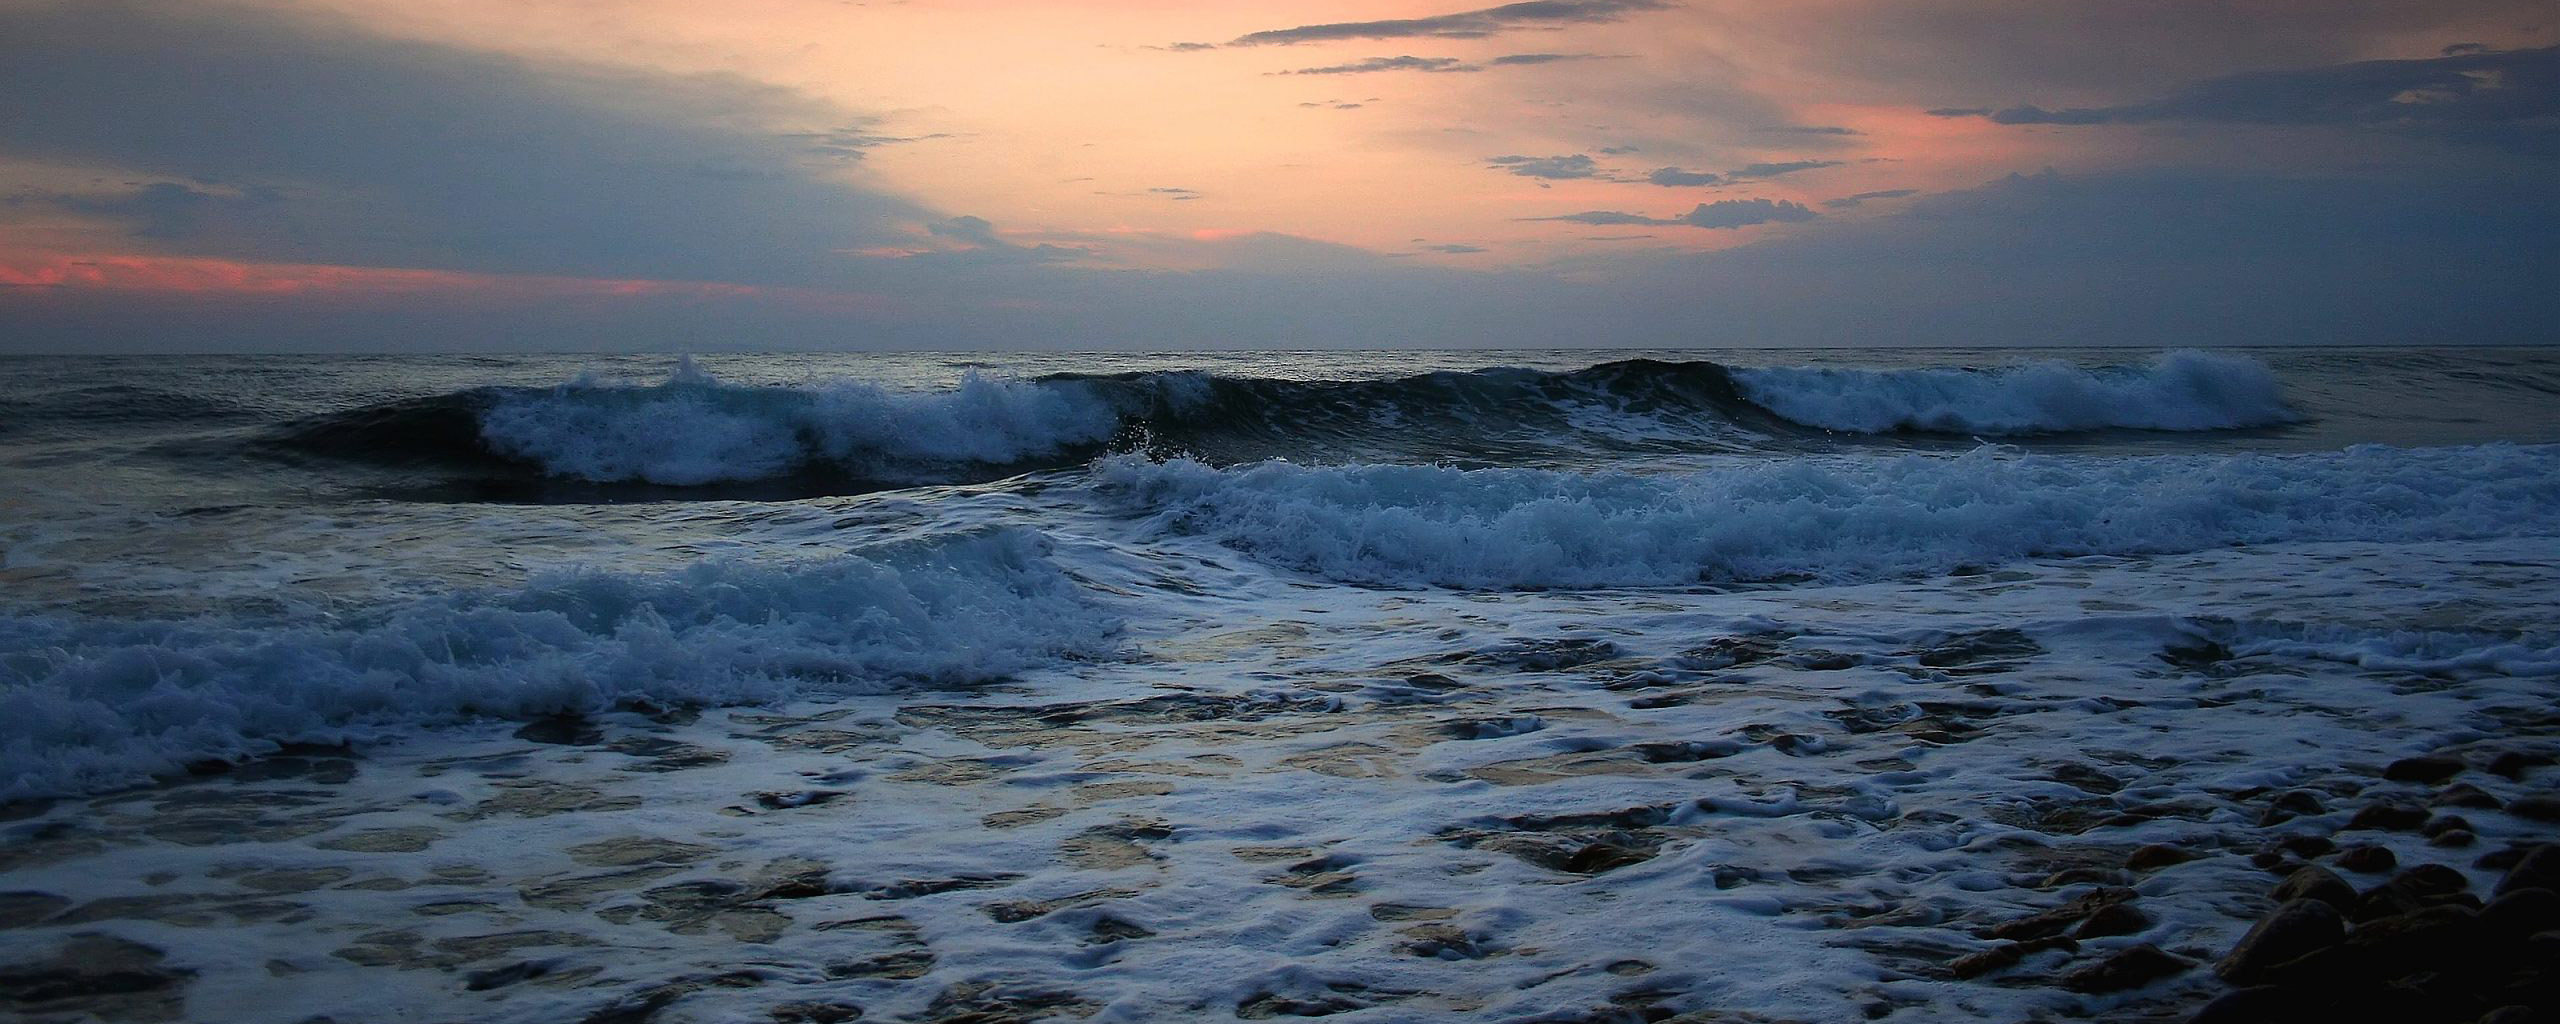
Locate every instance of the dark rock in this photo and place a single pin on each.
(2280, 865)
(815, 1013)
(2464, 794)
(2389, 816)
(2082, 876)
(25, 907)
(2504, 857)
(563, 730)
(2385, 901)
(2537, 869)
(2262, 1004)
(95, 977)
(2269, 860)
(2368, 859)
(2454, 839)
(2297, 928)
(1998, 958)
(2416, 889)
(2429, 768)
(1600, 857)
(2521, 913)
(2443, 823)
(1266, 1005)
(2118, 919)
(2306, 846)
(2156, 855)
(2513, 763)
(2127, 968)
(2051, 922)
(501, 977)
(2539, 807)
(2313, 882)
(2407, 943)
(2291, 804)
(2431, 880)
(2408, 947)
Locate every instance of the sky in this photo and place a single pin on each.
(658, 175)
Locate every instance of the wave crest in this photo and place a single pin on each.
(90, 704)
(695, 430)
(2183, 391)
(1828, 518)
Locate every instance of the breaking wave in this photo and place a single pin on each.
(1835, 518)
(694, 430)
(90, 704)
(2178, 391)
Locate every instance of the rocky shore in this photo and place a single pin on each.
(1690, 807)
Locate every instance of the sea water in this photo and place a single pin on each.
(1512, 685)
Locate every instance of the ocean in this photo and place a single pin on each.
(1379, 686)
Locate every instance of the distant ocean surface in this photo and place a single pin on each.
(206, 557)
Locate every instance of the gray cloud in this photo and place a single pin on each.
(980, 243)
(1377, 64)
(1607, 218)
(1676, 177)
(1462, 25)
(1443, 65)
(400, 153)
(2362, 256)
(1862, 198)
(1772, 170)
(1740, 213)
(1673, 176)
(851, 142)
(159, 210)
(1577, 165)
(1989, 53)
(1722, 214)
(1457, 248)
(2472, 86)
(1541, 58)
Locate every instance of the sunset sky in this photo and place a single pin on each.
(267, 175)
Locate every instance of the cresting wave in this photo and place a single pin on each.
(1827, 518)
(2184, 390)
(695, 430)
(90, 704)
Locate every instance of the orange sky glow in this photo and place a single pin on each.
(860, 143)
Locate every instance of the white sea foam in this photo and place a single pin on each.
(696, 430)
(2183, 390)
(88, 704)
(1834, 518)
(2400, 650)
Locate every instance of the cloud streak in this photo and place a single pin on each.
(1440, 65)
(1721, 215)
(2467, 86)
(1462, 25)
(1556, 168)
(1676, 177)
